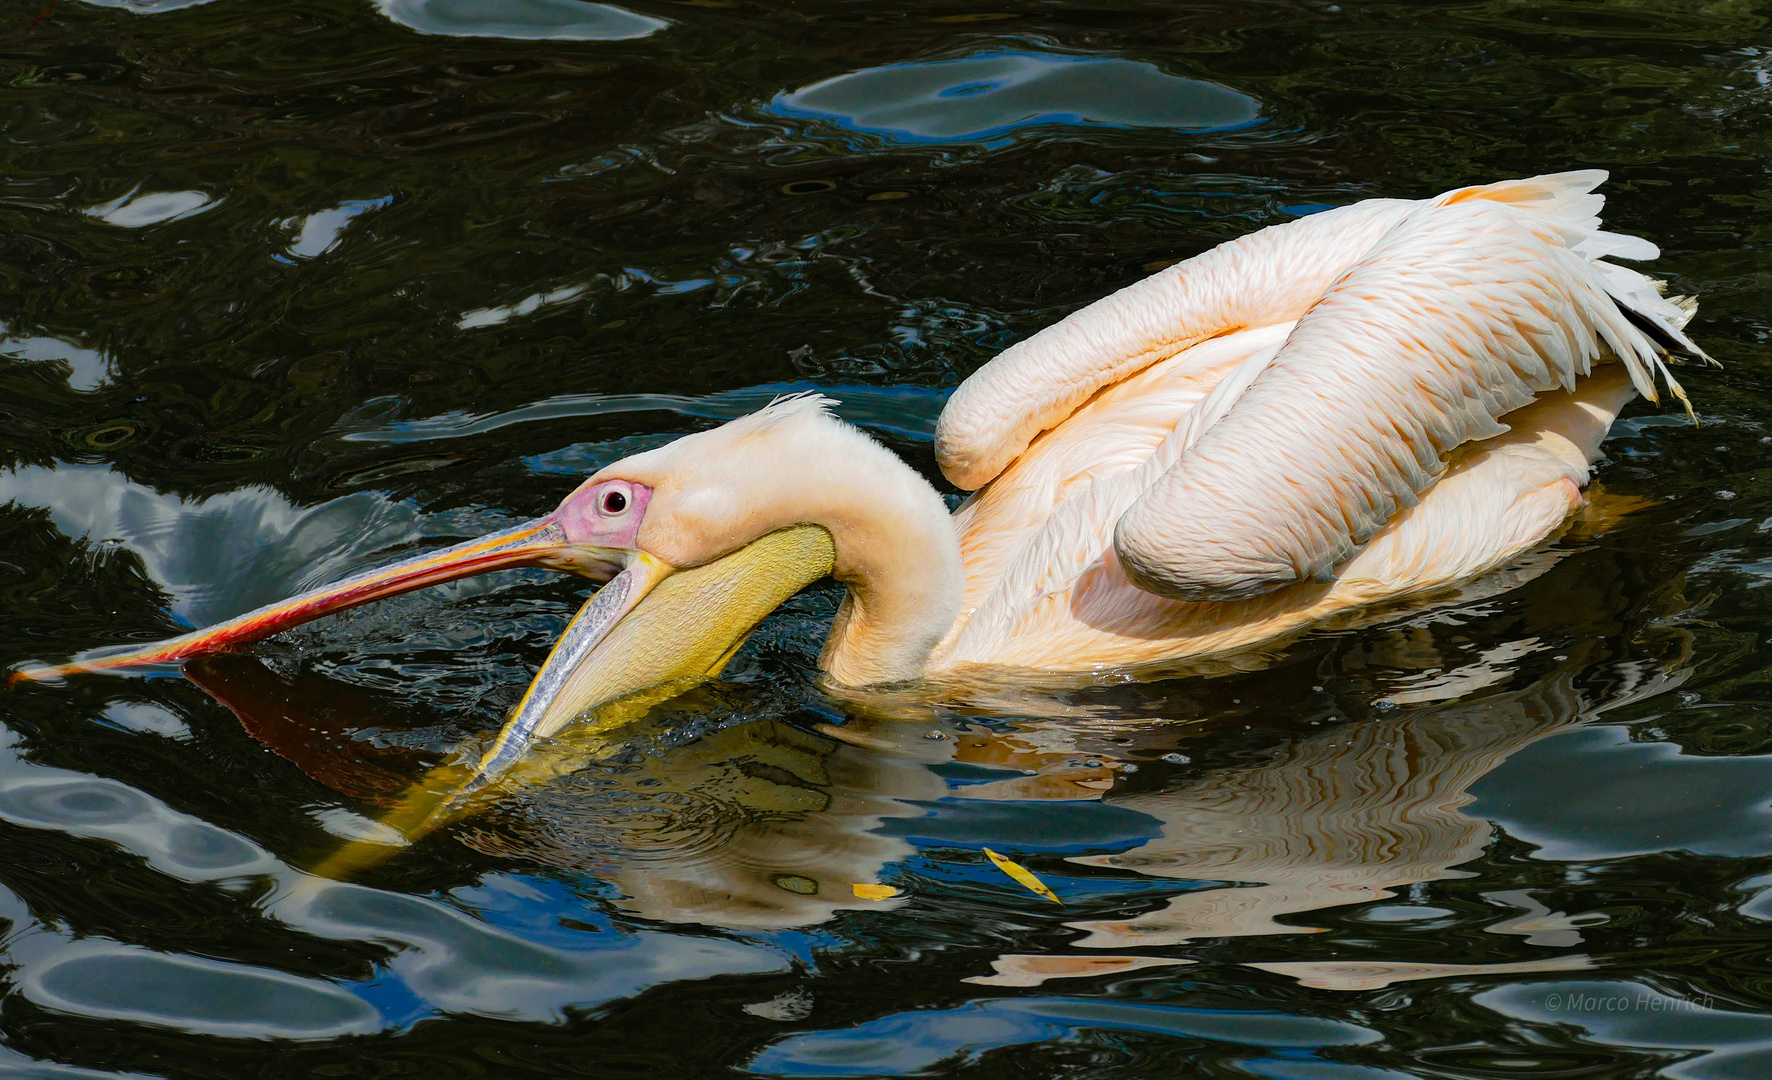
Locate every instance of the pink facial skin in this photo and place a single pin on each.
(604, 515)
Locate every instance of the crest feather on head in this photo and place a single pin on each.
(806, 404)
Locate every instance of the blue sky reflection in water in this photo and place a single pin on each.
(292, 291)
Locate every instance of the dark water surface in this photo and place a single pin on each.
(289, 288)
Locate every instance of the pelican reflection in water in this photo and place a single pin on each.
(764, 824)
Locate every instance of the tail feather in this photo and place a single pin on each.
(1567, 197)
(1662, 317)
(1568, 201)
(1662, 321)
(1603, 244)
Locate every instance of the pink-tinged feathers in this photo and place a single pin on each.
(1266, 277)
(1271, 276)
(1462, 312)
(1497, 500)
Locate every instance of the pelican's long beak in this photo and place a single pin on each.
(653, 632)
(539, 543)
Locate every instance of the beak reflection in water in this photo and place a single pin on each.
(644, 638)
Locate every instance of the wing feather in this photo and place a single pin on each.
(1270, 276)
(1267, 277)
(1077, 520)
(1464, 311)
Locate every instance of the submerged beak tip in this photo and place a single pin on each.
(632, 640)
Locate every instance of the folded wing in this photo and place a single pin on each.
(1418, 325)
(1465, 310)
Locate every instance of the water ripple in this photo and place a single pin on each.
(908, 1043)
(449, 959)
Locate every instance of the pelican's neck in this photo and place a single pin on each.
(794, 464)
(899, 554)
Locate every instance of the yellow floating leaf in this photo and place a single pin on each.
(1023, 875)
(874, 892)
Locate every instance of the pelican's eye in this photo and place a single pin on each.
(614, 501)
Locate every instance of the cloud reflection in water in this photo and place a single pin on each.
(988, 95)
(553, 20)
(229, 553)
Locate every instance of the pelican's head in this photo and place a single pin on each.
(706, 495)
(698, 541)
(717, 529)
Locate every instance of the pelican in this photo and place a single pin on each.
(1371, 403)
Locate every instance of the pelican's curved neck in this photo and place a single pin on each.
(794, 464)
(899, 554)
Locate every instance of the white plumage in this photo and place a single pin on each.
(1438, 318)
(1289, 457)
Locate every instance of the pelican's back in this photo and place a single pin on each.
(1282, 463)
